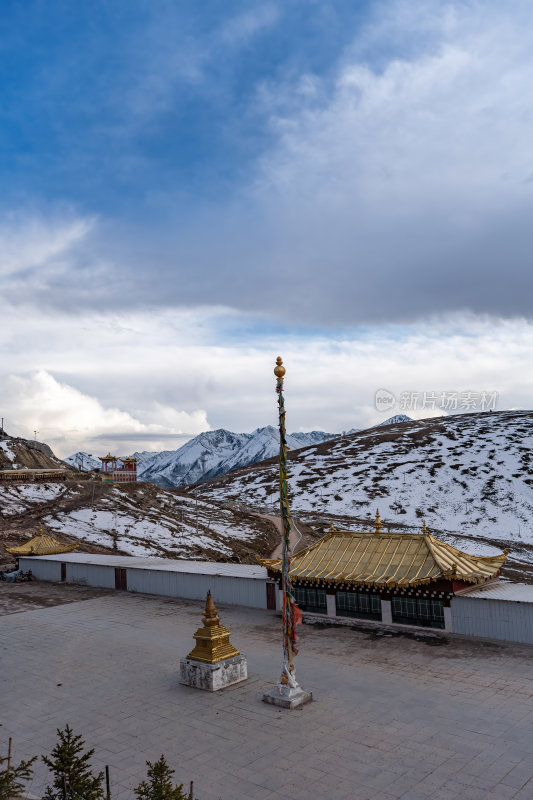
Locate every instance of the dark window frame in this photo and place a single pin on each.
(311, 599)
(360, 605)
(424, 612)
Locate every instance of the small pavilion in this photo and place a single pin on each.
(404, 578)
(113, 473)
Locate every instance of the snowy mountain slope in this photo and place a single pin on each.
(83, 461)
(207, 455)
(213, 453)
(469, 474)
(195, 459)
(135, 519)
(390, 421)
(394, 420)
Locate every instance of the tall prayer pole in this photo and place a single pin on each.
(287, 693)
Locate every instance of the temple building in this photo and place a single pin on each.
(41, 545)
(112, 472)
(402, 578)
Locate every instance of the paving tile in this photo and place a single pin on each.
(391, 719)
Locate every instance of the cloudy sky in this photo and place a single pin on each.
(190, 189)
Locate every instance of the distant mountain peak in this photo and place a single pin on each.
(394, 420)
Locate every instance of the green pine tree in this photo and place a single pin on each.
(12, 780)
(73, 778)
(159, 784)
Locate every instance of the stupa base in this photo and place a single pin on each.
(212, 677)
(287, 696)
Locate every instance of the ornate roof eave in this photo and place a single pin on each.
(445, 563)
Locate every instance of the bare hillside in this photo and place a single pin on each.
(16, 453)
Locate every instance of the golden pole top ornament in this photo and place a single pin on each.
(279, 369)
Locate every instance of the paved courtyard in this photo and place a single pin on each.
(392, 717)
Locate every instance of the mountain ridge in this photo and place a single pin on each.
(212, 453)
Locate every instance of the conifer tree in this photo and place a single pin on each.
(73, 778)
(159, 784)
(12, 780)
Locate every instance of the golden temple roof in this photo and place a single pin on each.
(41, 545)
(387, 559)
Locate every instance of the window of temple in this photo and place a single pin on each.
(310, 599)
(418, 611)
(358, 604)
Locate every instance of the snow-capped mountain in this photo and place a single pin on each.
(196, 459)
(83, 461)
(214, 453)
(394, 420)
(390, 421)
(469, 474)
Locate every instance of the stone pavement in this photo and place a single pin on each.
(392, 717)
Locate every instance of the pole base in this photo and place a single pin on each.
(287, 696)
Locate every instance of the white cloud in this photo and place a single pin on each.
(131, 380)
(66, 418)
(30, 242)
(404, 188)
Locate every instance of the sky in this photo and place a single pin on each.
(190, 189)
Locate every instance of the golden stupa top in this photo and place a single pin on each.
(387, 559)
(41, 545)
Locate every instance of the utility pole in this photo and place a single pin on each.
(2, 431)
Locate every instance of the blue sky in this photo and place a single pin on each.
(187, 186)
(106, 104)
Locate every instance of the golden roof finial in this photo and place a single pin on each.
(424, 529)
(331, 527)
(377, 525)
(279, 369)
(212, 640)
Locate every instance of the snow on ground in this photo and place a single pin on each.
(145, 536)
(162, 524)
(17, 498)
(468, 474)
(10, 455)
